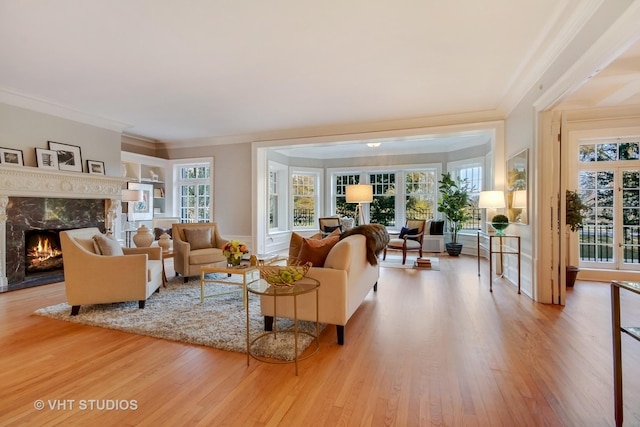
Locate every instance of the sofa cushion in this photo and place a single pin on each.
(436, 228)
(205, 256)
(88, 244)
(316, 251)
(159, 231)
(107, 246)
(198, 238)
(410, 231)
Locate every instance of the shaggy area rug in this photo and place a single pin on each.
(175, 313)
(396, 262)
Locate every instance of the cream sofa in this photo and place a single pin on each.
(345, 280)
(91, 278)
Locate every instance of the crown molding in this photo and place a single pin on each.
(51, 108)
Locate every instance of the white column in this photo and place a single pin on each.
(4, 282)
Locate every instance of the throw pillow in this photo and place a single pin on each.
(157, 232)
(107, 246)
(295, 244)
(316, 251)
(410, 231)
(330, 229)
(198, 238)
(437, 228)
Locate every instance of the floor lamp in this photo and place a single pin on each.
(359, 193)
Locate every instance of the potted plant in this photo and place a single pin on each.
(454, 203)
(576, 212)
(500, 223)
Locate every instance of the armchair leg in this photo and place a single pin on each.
(384, 254)
(268, 323)
(141, 303)
(340, 332)
(75, 310)
(404, 256)
(375, 287)
(186, 279)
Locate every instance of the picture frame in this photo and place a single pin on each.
(10, 156)
(95, 167)
(47, 159)
(141, 211)
(69, 156)
(518, 187)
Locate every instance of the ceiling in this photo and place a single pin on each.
(182, 71)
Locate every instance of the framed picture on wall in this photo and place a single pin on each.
(95, 167)
(69, 158)
(9, 156)
(143, 210)
(47, 159)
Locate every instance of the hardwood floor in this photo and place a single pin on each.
(429, 348)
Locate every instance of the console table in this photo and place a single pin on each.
(501, 249)
(632, 331)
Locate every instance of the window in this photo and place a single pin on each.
(471, 171)
(277, 196)
(342, 207)
(420, 194)
(304, 193)
(609, 182)
(382, 210)
(193, 184)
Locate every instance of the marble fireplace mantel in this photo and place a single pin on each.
(23, 181)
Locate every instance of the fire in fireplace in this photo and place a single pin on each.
(43, 251)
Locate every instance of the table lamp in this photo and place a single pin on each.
(359, 193)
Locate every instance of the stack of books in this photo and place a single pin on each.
(423, 263)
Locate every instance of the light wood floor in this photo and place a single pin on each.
(430, 348)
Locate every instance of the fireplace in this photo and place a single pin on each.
(42, 251)
(35, 201)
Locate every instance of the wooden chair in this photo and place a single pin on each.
(410, 239)
(329, 224)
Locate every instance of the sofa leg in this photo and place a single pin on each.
(268, 323)
(141, 303)
(384, 254)
(375, 287)
(340, 332)
(186, 279)
(75, 310)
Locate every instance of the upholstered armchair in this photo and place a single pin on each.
(410, 239)
(98, 271)
(196, 245)
(329, 224)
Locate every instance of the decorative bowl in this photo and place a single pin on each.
(500, 227)
(283, 275)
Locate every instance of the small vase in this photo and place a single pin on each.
(143, 238)
(164, 242)
(233, 261)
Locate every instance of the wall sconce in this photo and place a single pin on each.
(359, 193)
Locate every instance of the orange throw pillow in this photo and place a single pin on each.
(316, 251)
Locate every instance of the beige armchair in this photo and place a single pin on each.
(196, 245)
(92, 278)
(411, 241)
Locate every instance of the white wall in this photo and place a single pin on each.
(27, 130)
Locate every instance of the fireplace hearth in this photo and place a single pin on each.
(43, 251)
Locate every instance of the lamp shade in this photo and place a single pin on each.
(359, 193)
(519, 199)
(491, 199)
(132, 196)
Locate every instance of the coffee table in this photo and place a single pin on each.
(245, 274)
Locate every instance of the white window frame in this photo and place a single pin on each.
(316, 173)
(177, 182)
(282, 186)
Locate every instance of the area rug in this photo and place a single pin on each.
(396, 262)
(175, 313)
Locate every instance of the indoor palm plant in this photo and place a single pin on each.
(454, 203)
(576, 211)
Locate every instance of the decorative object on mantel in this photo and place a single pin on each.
(47, 159)
(143, 237)
(95, 167)
(10, 156)
(69, 157)
(233, 251)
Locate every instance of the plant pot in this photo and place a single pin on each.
(572, 274)
(453, 249)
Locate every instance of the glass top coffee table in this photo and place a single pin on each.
(304, 286)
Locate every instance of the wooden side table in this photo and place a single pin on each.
(165, 255)
(501, 249)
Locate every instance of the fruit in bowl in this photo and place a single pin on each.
(283, 275)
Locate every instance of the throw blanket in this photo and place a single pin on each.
(377, 239)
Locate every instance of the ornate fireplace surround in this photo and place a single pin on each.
(16, 181)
